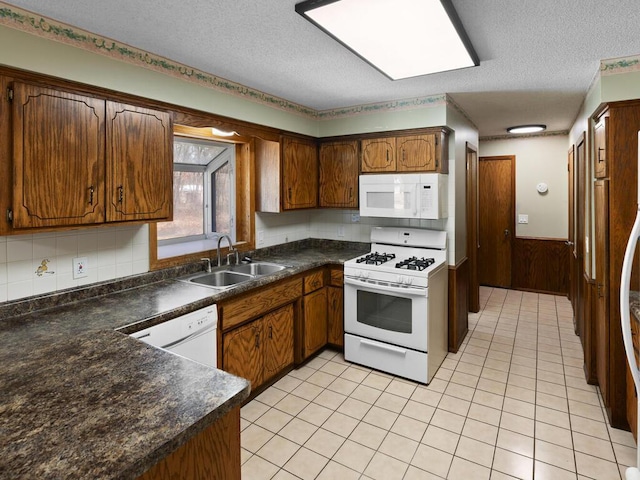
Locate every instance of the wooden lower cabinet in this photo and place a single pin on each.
(278, 341)
(314, 306)
(335, 316)
(261, 349)
(213, 454)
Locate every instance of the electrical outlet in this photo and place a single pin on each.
(355, 217)
(80, 267)
(260, 237)
(341, 230)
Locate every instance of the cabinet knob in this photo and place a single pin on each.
(91, 195)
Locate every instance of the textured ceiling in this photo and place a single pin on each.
(537, 57)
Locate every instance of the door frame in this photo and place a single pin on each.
(473, 219)
(512, 220)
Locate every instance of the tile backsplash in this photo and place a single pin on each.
(43, 262)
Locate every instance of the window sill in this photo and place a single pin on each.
(186, 248)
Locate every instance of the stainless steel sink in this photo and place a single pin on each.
(228, 276)
(221, 278)
(258, 268)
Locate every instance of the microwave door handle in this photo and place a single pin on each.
(416, 292)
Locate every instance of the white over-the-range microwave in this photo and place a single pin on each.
(404, 195)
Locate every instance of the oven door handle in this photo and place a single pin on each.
(416, 292)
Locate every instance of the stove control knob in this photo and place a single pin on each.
(408, 280)
(400, 279)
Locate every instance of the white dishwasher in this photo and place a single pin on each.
(192, 336)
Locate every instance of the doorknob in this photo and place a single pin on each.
(506, 232)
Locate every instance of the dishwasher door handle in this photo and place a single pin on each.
(175, 343)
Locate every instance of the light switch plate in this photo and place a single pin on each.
(80, 267)
(523, 218)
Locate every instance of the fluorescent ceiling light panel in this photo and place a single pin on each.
(401, 38)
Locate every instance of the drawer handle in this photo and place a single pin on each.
(600, 159)
(381, 346)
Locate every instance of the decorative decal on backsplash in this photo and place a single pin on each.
(43, 269)
(50, 29)
(614, 66)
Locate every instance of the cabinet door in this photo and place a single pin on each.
(58, 154)
(416, 153)
(335, 316)
(601, 200)
(278, 341)
(315, 321)
(339, 174)
(600, 169)
(378, 155)
(139, 163)
(299, 174)
(242, 353)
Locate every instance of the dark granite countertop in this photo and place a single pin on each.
(81, 400)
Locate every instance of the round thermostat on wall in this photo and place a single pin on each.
(542, 188)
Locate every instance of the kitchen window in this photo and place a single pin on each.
(203, 197)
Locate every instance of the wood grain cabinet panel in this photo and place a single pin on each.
(378, 155)
(139, 163)
(339, 174)
(242, 353)
(299, 173)
(335, 316)
(416, 153)
(601, 201)
(314, 281)
(278, 342)
(58, 158)
(315, 321)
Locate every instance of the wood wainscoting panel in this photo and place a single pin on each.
(541, 265)
(458, 304)
(213, 454)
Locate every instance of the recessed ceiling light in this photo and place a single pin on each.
(401, 38)
(527, 129)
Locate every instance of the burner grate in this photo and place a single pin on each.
(376, 258)
(415, 263)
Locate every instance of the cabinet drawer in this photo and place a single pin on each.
(314, 281)
(253, 305)
(337, 277)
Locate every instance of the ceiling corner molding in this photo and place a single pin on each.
(493, 138)
(390, 106)
(460, 110)
(614, 66)
(50, 29)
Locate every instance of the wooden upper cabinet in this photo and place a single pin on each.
(139, 163)
(378, 155)
(58, 157)
(600, 167)
(339, 174)
(299, 173)
(416, 153)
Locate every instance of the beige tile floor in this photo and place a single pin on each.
(512, 403)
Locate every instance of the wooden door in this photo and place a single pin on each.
(58, 158)
(601, 200)
(473, 219)
(315, 321)
(278, 341)
(571, 242)
(335, 316)
(416, 153)
(339, 174)
(496, 204)
(299, 173)
(378, 155)
(242, 352)
(139, 163)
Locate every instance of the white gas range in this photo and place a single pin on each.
(395, 303)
